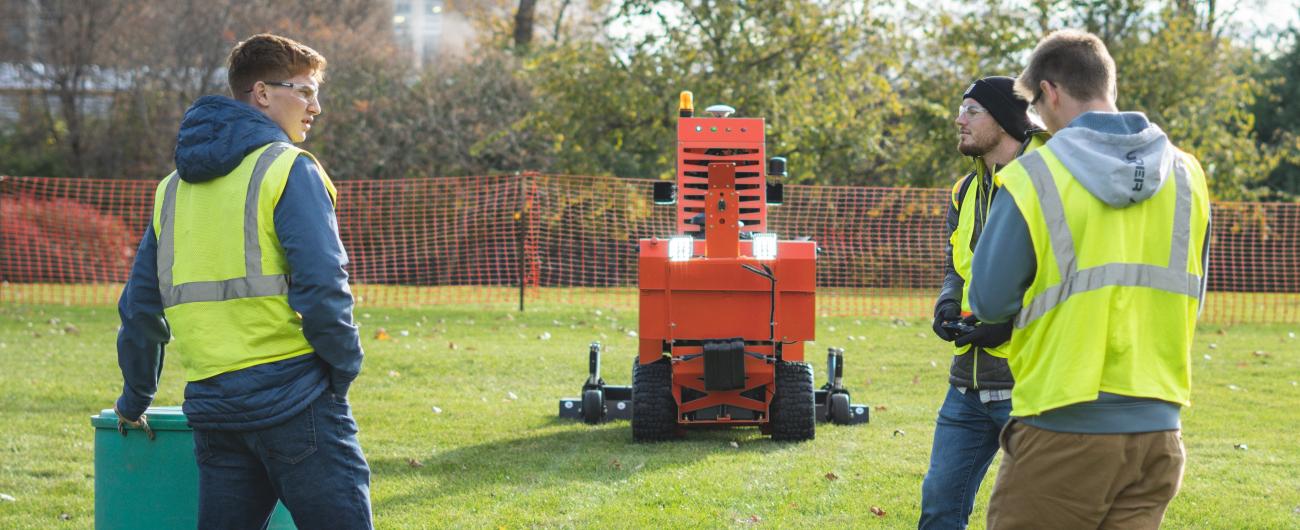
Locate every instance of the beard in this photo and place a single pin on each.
(976, 146)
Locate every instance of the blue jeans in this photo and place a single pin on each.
(965, 440)
(312, 463)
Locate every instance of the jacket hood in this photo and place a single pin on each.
(216, 134)
(1120, 157)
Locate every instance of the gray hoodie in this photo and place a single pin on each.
(1122, 159)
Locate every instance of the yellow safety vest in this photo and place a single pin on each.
(962, 252)
(222, 272)
(1113, 304)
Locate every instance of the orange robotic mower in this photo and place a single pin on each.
(725, 306)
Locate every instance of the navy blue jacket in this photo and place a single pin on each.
(215, 136)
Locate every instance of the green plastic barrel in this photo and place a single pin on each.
(142, 483)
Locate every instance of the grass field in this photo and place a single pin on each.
(1221, 307)
(457, 408)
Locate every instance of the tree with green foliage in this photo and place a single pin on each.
(817, 71)
(1277, 114)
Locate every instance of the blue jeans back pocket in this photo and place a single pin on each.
(292, 441)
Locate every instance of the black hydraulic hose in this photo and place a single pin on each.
(771, 297)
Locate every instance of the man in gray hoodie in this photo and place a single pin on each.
(1095, 248)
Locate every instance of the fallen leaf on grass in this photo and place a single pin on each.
(1214, 346)
(512, 396)
(881, 408)
(735, 445)
(394, 373)
(615, 464)
(71, 330)
(916, 379)
(933, 364)
(1234, 388)
(452, 346)
(414, 463)
(831, 476)
(877, 511)
(1261, 353)
(382, 334)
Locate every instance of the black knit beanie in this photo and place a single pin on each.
(997, 95)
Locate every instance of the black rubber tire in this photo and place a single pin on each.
(840, 413)
(593, 406)
(794, 411)
(654, 411)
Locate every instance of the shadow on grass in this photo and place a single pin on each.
(571, 457)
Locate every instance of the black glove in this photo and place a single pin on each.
(985, 335)
(947, 312)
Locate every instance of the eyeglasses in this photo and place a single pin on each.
(1039, 95)
(970, 111)
(306, 92)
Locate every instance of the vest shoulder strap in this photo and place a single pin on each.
(960, 188)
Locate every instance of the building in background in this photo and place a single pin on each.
(428, 29)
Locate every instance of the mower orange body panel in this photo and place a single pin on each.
(712, 296)
(704, 141)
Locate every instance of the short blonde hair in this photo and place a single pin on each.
(1075, 61)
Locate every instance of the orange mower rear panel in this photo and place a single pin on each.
(725, 306)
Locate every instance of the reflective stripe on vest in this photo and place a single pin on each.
(1174, 278)
(254, 283)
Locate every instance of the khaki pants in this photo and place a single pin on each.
(1064, 481)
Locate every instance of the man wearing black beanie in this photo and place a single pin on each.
(994, 128)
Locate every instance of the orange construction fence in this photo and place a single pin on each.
(518, 239)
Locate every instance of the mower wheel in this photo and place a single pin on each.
(654, 411)
(593, 406)
(794, 417)
(840, 413)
